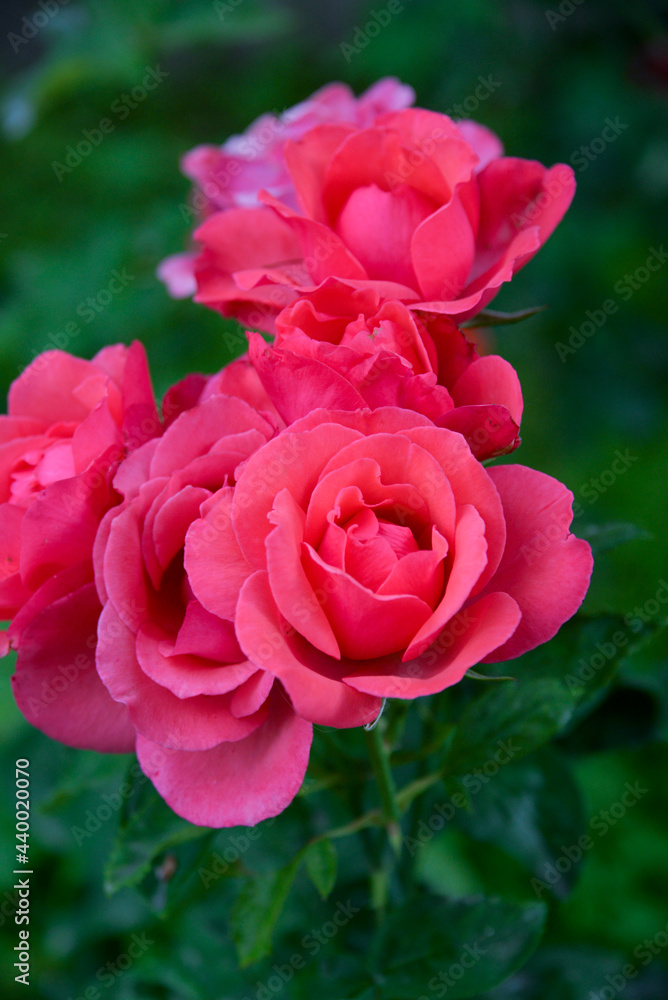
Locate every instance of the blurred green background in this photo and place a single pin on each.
(563, 69)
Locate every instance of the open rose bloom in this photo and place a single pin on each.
(310, 530)
(414, 206)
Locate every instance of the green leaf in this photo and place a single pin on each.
(465, 945)
(507, 722)
(647, 667)
(487, 677)
(257, 909)
(491, 317)
(583, 657)
(579, 972)
(147, 827)
(321, 862)
(531, 809)
(603, 537)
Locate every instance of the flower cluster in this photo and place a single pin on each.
(311, 530)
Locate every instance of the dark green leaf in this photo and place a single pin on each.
(533, 810)
(257, 909)
(321, 864)
(507, 722)
(581, 973)
(647, 667)
(466, 945)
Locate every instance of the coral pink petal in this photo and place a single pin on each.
(335, 494)
(252, 694)
(187, 675)
(234, 784)
(490, 379)
(544, 567)
(470, 483)
(248, 237)
(312, 679)
(489, 430)
(45, 390)
(366, 625)
(204, 634)
(196, 431)
(56, 685)
(12, 591)
(485, 144)
(13, 428)
(407, 475)
(120, 571)
(468, 558)
(296, 385)
(215, 565)
(442, 250)
(189, 723)
(467, 639)
(60, 526)
(307, 159)
(290, 461)
(290, 586)
(172, 521)
(55, 588)
(377, 226)
(515, 195)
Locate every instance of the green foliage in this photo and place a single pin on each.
(321, 862)
(467, 946)
(147, 827)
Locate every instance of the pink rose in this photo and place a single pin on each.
(378, 558)
(232, 175)
(214, 732)
(404, 206)
(387, 358)
(70, 424)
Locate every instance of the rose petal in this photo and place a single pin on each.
(544, 567)
(466, 640)
(312, 679)
(234, 784)
(56, 685)
(190, 723)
